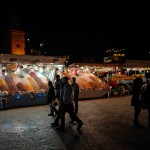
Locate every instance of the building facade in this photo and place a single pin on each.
(15, 38)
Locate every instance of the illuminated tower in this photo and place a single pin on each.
(15, 39)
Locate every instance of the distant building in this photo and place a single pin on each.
(114, 56)
(14, 38)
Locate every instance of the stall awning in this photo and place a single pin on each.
(136, 63)
(32, 58)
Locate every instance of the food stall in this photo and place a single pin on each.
(118, 76)
(91, 86)
(129, 70)
(23, 78)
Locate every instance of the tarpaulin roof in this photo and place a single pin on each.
(136, 63)
(32, 58)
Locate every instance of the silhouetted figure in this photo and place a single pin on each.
(59, 94)
(67, 105)
(57, 86)
(135, 100)
(50, 97)
(75, 88)
(145, 99)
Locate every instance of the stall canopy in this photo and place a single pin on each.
(136, 63)
(33, 59)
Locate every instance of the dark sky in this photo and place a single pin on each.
(68, 27)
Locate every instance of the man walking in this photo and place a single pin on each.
(67, 105)
(75, 88)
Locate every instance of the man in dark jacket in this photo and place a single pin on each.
(75, 88)
(135, 100)
(50, 96)
(67, 105)
(57, 86)
(145, 99)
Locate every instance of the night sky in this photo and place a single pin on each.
(81, 28)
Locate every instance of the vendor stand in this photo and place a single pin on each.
(24, 78)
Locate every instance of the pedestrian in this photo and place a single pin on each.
(67, 105)
(135, 100)
(57, 86)
(145, 99)
(75, 88)
(59, 94)
(50, 96)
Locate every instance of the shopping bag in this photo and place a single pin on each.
(55, 102)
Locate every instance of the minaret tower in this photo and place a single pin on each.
(15, 39)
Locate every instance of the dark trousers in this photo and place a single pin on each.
(58, 115)
(70, 109)
(76, 105)
(137, 111)
(52, 108)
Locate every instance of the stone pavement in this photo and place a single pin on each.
(107, 126)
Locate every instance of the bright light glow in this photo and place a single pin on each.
(41, 70)
(36, 68)
(41, 45)
(24, 66)
(18, 70)
(5, 73)
(134, 69)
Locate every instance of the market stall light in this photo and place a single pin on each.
(24, 65)
(3, 68)
(32, 70)
(36, 68)
(78, 71)
(6, 73)
(134, 69)
(41, 70)
(18, 70)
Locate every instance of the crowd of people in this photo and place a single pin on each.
(140, 99)
(67, 96)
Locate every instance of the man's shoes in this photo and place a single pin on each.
(60, 129)
(54, 124)
(80, 125)
(50, 114)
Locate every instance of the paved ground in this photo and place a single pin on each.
(107, 126)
